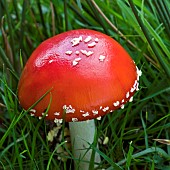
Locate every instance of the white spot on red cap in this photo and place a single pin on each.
(122, 106)
(33, 110)
(131, 99)
(44, 114)
(64, 107)
(135, 84)
(74, 119)
(32, 114)
(50, 61)
(75, 63)
(102, 57)
(132, 89)
(77, 59)
(40, 117)
(76, 41)
(116, 103)
(68, 109)
(87, 53)
(82, 111)
(87, 39)
(77, 52)
(58, 120)
(57, 113)
(68, 52)
(92, 44)
(139, 73)
(127, 95)
(137, 87)
(99, 118)
(85, 114)
(96, 40)
(105, 109)
(95, 112)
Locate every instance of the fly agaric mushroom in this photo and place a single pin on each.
(89, 75)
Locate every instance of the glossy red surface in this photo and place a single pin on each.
(83, 81)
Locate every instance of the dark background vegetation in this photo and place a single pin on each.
(142, 28)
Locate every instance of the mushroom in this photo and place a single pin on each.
(89, 75)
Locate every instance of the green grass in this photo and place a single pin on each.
(142, 28)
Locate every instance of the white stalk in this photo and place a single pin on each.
(81, 134)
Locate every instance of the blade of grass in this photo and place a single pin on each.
(145, 131)
(38, 126)
(120, 33)
(8, 89)
(51, 156)
(12, 124)
(11, 32)
(66, 15)
(164, 141)
(52, 18)
(42, 17)
(19, 158)
(129, 155)
(40, 33)
(5, 59)
(157, 38)
(167, 89)
(6, 42)
(3, 166)
(97, 16)
(16, 119)
(145, 152)
(92, 159)
(16, 9)
(21, 60)
(27, 148)
(115, 166)
(79, 14)
(24, 7)
(167, 137)
(163, 13)
(162, 118)
(165, 4)
(145, 31)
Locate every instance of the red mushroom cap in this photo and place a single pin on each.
(88, 72)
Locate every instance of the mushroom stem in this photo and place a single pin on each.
(82, 133)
